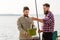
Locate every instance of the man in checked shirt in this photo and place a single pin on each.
(48, 23)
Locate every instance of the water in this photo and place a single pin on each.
(8, 28)
(9, 31)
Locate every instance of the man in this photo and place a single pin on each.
(48, 23)
(24, 23)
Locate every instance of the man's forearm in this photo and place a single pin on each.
(39, 20)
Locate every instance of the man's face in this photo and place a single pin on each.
(45, 9)
(26, 12)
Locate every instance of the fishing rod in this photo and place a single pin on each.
(37, 16)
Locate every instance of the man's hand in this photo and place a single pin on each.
(26, 34)
(39, 31)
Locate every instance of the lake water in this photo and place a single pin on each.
(9, 31)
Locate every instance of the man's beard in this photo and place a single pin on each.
(26, 15)
(46, 12)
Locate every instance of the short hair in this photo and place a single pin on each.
(25, 8)
(46, 4)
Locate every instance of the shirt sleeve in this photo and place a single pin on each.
(46, 19)
(19, 26)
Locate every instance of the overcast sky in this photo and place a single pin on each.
(16, 6)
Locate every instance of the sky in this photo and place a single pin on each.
(16, 6)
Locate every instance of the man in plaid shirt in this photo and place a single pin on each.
(48, 23)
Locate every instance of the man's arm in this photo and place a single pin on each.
(36, 19)
(19, 26)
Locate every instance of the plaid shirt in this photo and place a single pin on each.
(48, 23)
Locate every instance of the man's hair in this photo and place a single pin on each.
(25, 8)
(46, 4)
